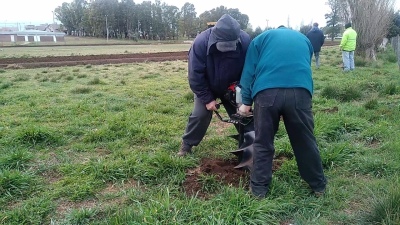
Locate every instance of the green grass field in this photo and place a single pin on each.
(97, 145)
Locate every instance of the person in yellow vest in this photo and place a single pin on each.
(348, 45)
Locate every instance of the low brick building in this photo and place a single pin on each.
(31, 36)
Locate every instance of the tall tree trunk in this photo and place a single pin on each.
(370, 53)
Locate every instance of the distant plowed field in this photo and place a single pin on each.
(55, 61)
(97, 59)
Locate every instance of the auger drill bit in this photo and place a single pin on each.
(245, 152)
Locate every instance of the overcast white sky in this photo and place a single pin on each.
(260, 12)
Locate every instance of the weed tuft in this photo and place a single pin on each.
(209, 183)
(371, 104)
(389, 89)
(360, 62)
(5, 85)
(95, 81)
(34, 135)
(188, 97)
(343, 94)
(14, 183)
(81, 90)
(385, 209)
(17, 159)
(21, 77)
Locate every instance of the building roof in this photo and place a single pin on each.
(33, 32)
(8, 29)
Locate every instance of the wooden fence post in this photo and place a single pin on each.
(398, 50)
(395, 41)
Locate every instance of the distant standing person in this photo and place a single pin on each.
(348, 45)
(317, 39)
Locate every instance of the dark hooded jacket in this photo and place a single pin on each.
(212, 71)
(317, 38)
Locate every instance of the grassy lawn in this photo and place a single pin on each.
(40, 51)
(97, 145)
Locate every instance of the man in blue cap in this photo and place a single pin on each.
(216, 60)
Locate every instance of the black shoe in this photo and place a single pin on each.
(319, 194)
(185, 149)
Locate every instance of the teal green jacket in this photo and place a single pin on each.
(279, 58)
(348, 42)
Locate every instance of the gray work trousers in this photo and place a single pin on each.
(200, 119)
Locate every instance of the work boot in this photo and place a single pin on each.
(185, 149)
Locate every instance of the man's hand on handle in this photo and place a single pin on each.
(212, 106)
(245, 110)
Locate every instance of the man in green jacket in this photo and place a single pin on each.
(348, 45)
(277, 77)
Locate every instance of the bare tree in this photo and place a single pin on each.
(371, 19)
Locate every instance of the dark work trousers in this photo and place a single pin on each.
(294, 105)
(200, 119)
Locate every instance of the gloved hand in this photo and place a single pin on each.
(245, 110)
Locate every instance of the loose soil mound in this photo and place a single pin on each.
(225, 173)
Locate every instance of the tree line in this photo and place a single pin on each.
(373, 20)
(124, 19)
(147, 20)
